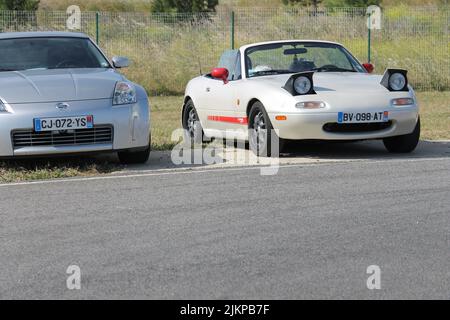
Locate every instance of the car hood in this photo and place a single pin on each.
(342, 82)
(62, 85)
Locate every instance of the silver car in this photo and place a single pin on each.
(59, 94)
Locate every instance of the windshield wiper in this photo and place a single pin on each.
(7, 69)
(333, 69)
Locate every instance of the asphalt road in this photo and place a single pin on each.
(310, 231)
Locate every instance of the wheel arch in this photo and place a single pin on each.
(250, 105)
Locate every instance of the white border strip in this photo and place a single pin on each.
(168, 172)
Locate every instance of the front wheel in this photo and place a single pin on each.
(404, 144)
(135, 157)
(261, 131)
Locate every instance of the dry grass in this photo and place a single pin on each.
(166, 117)
(435, 115)
(53, 168)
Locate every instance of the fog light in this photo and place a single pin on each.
(403, 102)
(311, 105)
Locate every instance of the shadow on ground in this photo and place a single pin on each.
(299, 153)
(315, 152)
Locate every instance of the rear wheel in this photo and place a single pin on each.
(403, 144)
(191, 124)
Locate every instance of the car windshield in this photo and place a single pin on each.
(293, 57)
(49, 53)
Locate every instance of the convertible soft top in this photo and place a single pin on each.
(41, 34)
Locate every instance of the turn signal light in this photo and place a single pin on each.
(311, 105)
(403, 102)
(281, 118)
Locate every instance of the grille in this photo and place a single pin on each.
(30, 138)
(356, 127)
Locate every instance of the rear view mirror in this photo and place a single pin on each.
(220, 74)
(289, 52)
(120, 62)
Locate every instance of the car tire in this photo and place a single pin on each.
(260, 132)
(404, 144)
(193, 129)
(135, 157)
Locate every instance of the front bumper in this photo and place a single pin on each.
(306, 125)
(130, 123)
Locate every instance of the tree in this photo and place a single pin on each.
(351, 3)
(184, 6)
(314, 3)
(20, 16)
(20, 5)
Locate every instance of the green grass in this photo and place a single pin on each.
(435, 115)
(166, 114)
(166, 117)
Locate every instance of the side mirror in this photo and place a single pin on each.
(369, 67)
(220, 74)
(120, 62)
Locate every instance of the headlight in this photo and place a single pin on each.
(124, 93)
(397, 81)
(302, 85)
(311, 105)
(2, 107)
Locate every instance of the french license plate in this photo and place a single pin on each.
(363, 117)
(66, 123)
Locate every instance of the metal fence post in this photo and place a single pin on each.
(368, 46)
(97, 32)
(232, 30)
(369, 38)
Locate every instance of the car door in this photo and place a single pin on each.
(221, 98)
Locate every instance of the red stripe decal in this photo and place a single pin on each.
(237, 120)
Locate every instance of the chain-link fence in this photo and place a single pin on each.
(169, 49)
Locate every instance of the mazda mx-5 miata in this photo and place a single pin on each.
(59, 94)
(305, 90)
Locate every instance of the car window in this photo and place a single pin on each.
(237, 71)
(293, 57)
(50, 53)
(228, 61)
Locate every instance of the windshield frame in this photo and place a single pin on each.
(110, 65)
(347, 53)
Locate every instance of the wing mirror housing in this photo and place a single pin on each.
(220, 74)
(369, 67)
(121, 62)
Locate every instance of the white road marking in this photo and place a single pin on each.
(166, 172)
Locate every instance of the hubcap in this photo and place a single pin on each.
(259, 135)
(192, 123)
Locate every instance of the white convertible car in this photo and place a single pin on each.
(304, 90)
